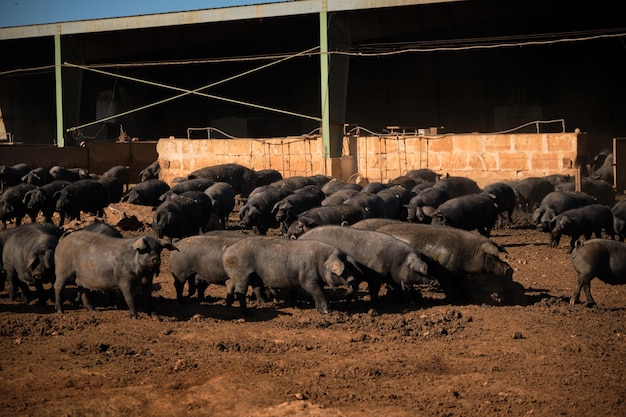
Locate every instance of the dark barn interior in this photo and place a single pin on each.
(461, 66)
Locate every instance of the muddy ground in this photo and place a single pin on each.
(548, 358)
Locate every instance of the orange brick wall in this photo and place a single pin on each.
(290, 156)
(484, 158)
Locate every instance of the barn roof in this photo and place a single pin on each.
(217, 13)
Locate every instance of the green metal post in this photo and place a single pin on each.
(324, 79)
(59, 87)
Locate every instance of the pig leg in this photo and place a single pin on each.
(241, 297)
(191, 281)
(240, 288)
(572, 244)
(58, 301)
(14, 284)
(292, 296)
(127, 292)
(202, 286)
(230, 291)
(353, 288)
(587, 290)
(179, 286)
(258, 289)
(584, 284)
(554, 240)
(315, 290)
(230, 295)
(41, 294)
(147, 293)
(84, 296)
(373, 286)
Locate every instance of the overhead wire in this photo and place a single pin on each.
(379, 50)
(384, 49)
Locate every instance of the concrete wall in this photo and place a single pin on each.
(484, 158)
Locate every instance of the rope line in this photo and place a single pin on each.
(396, 51)
(186, 92)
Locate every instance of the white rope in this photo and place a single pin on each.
(571, 37)
(356, 130)
(473, 47)
(186, 92)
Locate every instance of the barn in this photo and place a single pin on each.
(368, 88)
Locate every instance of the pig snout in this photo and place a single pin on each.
(151, 264)
(155, 264)
(281, 215)
(508, 272)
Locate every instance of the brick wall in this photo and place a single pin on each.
(484, 158)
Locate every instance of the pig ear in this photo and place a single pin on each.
(354, 263)
(140, 244)
(428, 210)
(48, 259)
(334, 265)
(167, 245)
(32, 262)
(307, 221)
(491, 248)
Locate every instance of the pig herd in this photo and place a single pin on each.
(419, 229)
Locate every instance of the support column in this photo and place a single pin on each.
(59, 87)
(335, 33)
(72, 86)
(324, 80)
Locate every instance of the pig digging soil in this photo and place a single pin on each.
(434, 358)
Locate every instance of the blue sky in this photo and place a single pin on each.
(32, 12)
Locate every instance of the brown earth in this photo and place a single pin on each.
(434, 359)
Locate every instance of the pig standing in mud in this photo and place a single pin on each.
(582, 221)
(466, 264)
(286, 264)
(384, 258)
(104, 263)
(198, 261)
(598, 258)
(28, 258)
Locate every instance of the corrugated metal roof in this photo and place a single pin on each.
(220, 14)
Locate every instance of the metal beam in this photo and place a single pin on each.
(258, 11)
(58, 79)
(324, 82)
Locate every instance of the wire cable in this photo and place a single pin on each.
(186, 92)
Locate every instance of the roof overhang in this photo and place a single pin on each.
(258, 11)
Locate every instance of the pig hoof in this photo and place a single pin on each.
(229, 300)
(323, 309)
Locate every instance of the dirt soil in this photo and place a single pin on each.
(433, 359)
